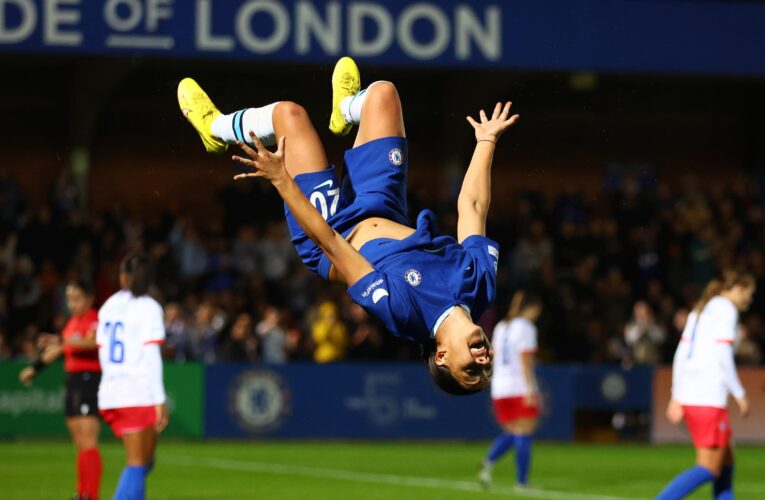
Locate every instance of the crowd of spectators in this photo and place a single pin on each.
(617, 270)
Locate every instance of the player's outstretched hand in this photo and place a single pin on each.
(162, 418)
(674, 412)
(492, 129)
(263, 162)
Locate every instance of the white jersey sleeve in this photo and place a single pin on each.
(728, 367)
(154, 335)
(527, 340)
(154, 322)
(680, 356)
(154, 370)
(725, 339)
(725, 316)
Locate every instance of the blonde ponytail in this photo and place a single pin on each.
(728, 280)
(521, 301)
(712, 289)
(516, 305)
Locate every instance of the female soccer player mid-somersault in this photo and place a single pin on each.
(422, 286)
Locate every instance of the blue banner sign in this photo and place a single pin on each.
(394, 400)
(338, 401)
(710, 36)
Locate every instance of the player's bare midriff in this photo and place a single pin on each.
(371, 229)
(377, 227)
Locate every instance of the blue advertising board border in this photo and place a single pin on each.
(668, 36)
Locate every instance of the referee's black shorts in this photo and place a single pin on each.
(82, 394)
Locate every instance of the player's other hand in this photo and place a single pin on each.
(46, 339)
(162, 418)
(674, 412)
(50, 353)
(263, 162)
(27, 375)
(491, 129)
(743, 406)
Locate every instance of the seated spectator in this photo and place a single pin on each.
(367, 341)
(675, 333)
(275, 251)
(189, 249)
(272, 336)
(329, 334)
(208, 322)
(245, 251)
(177, 344)
(295, 344)
(643, 336)
(241, 344)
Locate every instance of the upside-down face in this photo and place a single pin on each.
(468, 355)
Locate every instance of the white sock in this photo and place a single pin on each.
(237, 126)
(351, 106)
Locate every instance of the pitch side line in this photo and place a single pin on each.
(366, 477)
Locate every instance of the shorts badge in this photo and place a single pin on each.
(396, 157)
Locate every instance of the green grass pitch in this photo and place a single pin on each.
(368, 471)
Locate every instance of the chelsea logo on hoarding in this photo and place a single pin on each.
(396, 157)
(259, 400)
(413, 277)
(613, 387)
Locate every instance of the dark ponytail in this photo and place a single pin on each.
(137, 269)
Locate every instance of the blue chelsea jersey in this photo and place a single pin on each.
(418, 278)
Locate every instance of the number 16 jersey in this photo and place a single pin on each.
(126, 324)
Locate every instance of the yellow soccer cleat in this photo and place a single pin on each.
(346, 81)
(200, 112)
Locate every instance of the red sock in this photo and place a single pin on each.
(89, 472)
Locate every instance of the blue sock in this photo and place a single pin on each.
(499, 447)
(132, 484)
(723, 488)
(522, 458)
(686, 482)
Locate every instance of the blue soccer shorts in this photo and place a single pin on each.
(374, 185)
